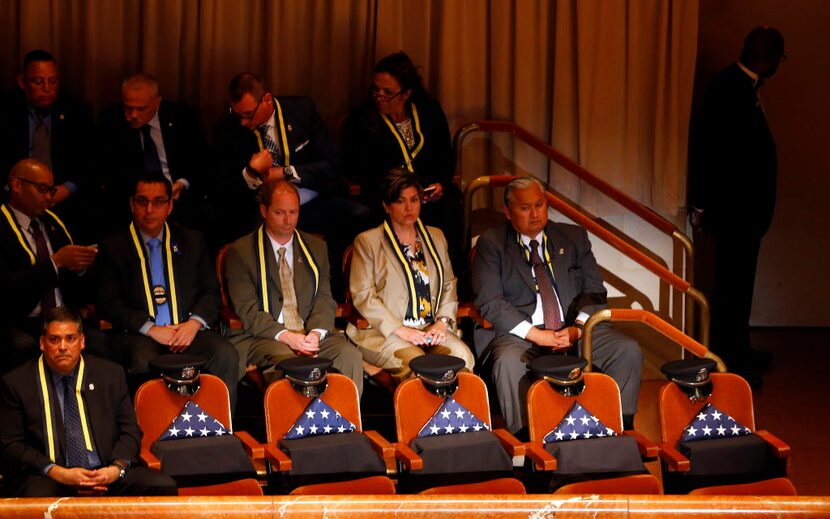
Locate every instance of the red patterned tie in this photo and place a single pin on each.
(550, 304)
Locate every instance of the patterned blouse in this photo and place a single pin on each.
(420, 273)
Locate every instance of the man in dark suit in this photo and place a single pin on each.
(68, 424)
(148, 133)
(37, 121)
(40, 267)
(284, 322)
(533, 316)
(272, 138)
(157, 285)
(733, 191)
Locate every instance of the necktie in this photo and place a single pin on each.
(47, 301)
(270, 145)
(157, 273)
(289, 296)
(550, 304)
(75, 450)
(41, 142)
(152, 163)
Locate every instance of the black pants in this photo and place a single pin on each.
(736, 259)
(138, 481)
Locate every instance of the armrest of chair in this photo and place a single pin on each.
(647, 448)
(278, 459)
(780, 449)
(230, 320)
(384, 449)
(253, 448)
(150, 459)
(542, 459)
(469, 311)
(348, 312)
(510, 443)
(675, 461)
(407, 457)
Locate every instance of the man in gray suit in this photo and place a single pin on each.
(278, 282)
(534, 317)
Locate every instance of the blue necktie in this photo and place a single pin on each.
(270, 145)
(75, 450)
(157, 273)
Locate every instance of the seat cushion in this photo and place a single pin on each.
(468, 452)
(614, 454)
(332, 453)
(204, 461)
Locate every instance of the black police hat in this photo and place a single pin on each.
(691, 375)
(180, 371)
(439, 373)
(564, 372)
(307, 374)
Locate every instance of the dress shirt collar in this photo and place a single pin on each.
(155, 123)
(289, 248)
(752, 75)
(23, 220)
(527, 239)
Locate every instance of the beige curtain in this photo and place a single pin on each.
(607, 82)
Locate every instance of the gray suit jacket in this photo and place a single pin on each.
(316, 310)
(378, 286)
(505, 291)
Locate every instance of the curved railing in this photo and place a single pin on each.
(637, 208)
(651, 320)
(607, 236)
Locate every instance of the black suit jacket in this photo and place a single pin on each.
(370, 149)
(121, 295)
(71, 137)
(312, 154)
(504, 285)
(24, 283)
(735, 172)
(23, 448)
(123, 156)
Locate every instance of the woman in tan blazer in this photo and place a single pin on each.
(402, 283)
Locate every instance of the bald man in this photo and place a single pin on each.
(40, 266)
(146, 133)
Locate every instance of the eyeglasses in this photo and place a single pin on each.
(247, 115)
(144, 203)
(41, 187)
(383, 95)
(40, 81)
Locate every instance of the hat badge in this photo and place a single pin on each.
(188, 373)
(315, 374)
(702, 375)
(574, 373)
(448, 375)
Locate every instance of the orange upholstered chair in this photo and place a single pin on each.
(601, 396)
(373, 485)
(155, 408)
(494, 486)
(768, 487)
(415, 406)
(732, 395)
(283, 405)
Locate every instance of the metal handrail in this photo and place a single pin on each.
(637, 208)
(653, 321)
(612, 239)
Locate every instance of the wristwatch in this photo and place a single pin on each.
(122, 468)
(446, 320)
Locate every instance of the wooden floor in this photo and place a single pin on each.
(794, 402)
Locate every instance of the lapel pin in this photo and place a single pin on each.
(61, 117)
(92, 387)
(561, 251)
(290, 128)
